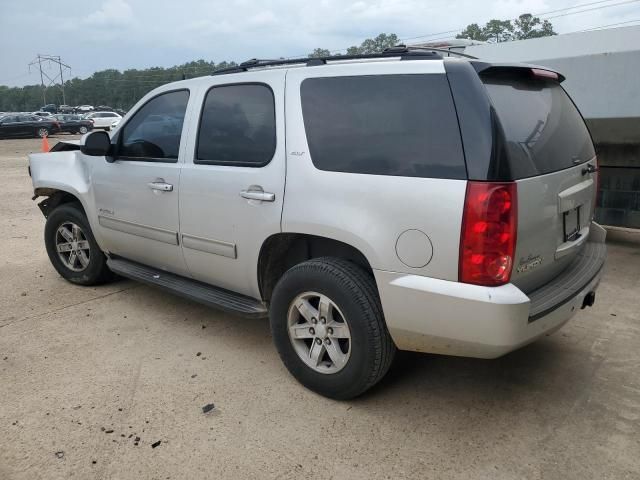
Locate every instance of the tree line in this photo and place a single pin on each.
(123, 89)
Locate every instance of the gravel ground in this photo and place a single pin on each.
(111, 382)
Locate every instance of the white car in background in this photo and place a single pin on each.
(84, 109)
(103, 119)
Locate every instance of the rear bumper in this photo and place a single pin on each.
(438, 316)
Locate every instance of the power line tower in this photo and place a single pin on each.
(48, 61)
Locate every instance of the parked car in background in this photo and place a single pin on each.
(50, 107)
(104, 108)
(43, 114)
(103, 119)
(27, 125)
(74, 123)
(65, 109)
(84, 109)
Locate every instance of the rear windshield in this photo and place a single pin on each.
(403, 125)
(543, 130)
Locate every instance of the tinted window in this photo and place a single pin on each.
(383, 125)
(543, 130)
(154, 131)
(237, 126)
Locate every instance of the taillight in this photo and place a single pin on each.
(488, 236)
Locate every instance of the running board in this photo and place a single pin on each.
(192, 289)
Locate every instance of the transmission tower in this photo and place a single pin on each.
(48, 61)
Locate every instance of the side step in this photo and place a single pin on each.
(188, 288)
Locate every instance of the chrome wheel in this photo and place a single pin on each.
(83, 130)
(319, 332)
(72, 247)
(43, 132)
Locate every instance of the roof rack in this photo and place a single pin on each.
(402, 51)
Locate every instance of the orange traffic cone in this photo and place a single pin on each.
(45, 144)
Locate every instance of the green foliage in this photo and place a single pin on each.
(495, 31)
(374, 45)
(319, 52)
(528, 26)
(107, 87)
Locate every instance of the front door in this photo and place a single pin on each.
(232, 184)
(136, 194)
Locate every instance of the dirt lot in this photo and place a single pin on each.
(91, 378)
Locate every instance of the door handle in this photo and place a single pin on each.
(258, 195)
(163, 187)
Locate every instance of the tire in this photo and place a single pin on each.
(42, 132)
(95, 271)
(354, 298)
(83, 130)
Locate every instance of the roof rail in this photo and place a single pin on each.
(402, 51)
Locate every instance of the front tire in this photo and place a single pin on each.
(72, 248)
(42, 132)
(328, 326)
(83, 130)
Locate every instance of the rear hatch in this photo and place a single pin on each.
(548, 150)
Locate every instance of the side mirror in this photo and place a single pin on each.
(96, 144)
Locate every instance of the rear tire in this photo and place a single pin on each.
(354, 332)
(72, 248)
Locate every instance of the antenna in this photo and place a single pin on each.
(48, 60)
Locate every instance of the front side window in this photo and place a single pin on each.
(401, 125)
(154, 131)
(237, 126)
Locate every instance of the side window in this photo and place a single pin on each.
(402, 125)
(154, 131)
(237, 127)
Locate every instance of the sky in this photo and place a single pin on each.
(92, 35)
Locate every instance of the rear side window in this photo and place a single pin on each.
(237, 126)
(154, 131)
(403, 125)
(543, 130)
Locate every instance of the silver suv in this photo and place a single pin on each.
(365, 204)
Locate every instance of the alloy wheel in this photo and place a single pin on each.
(72, 247)
(319, 332)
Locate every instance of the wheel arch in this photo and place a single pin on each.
(281, 251)
(54, 198)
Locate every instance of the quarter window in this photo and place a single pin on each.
(154, 131)
(402, 125)
(237, 126)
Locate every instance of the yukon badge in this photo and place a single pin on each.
(529, 263)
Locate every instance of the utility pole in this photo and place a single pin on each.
(47, 60)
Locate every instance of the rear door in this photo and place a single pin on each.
(549, 153)
(232, 183)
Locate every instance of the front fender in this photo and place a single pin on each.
(64, 172)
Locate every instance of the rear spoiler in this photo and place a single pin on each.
(536, 70)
